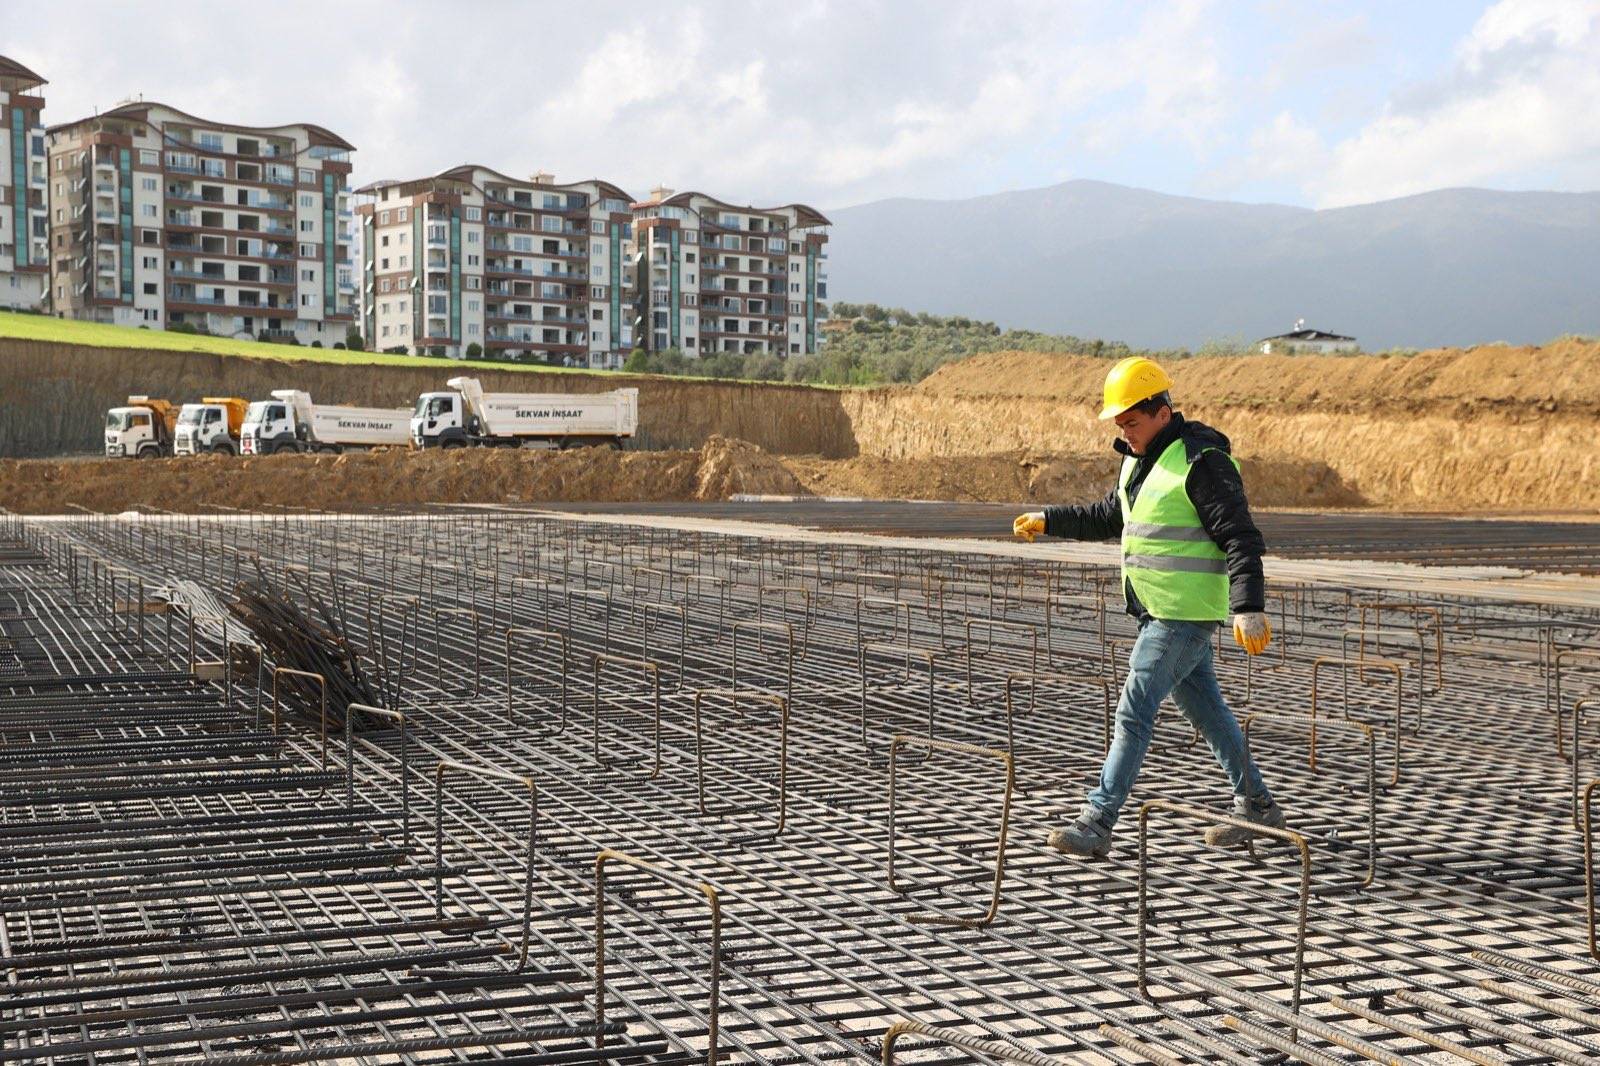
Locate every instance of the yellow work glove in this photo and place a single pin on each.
(1252, 632)
(1030, 525)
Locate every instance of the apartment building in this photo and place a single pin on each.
(24, 220)
(159, 219)
(716, 277)
(526, 269)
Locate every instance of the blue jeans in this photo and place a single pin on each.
(1175, 658)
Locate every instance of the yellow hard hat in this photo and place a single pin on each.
(1133, 380)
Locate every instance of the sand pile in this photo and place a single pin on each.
(735, 467)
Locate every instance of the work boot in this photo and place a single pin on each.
(1261, 812)
(1088, 837)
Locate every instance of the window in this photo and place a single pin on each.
(149, 288)
(794, 286)
(599, 271)
(308, 251)
(472, 259)
(384, 240)
(385, 331)
(472, 329)
(308, 299)
(307, 226)
(688, 320)
(594, 335)
(596, 248)
(307, 200)
(402, 307)
(148, 184)
(404, 329)
(689, 280)
(688, 257)
(474, 214)
(598, 315)
(402, 214)
(402, 262)
(149, 236)
(149, 157)
(149, 211)
(474, 284)
(794, 268)
(149, 262)
(402, 238)
(383, 220)
(383, 286)
(472, 236)
(383, 264)
(307, 274)
(597, 226)
(308, 176)
(597, 292)
(472, 305)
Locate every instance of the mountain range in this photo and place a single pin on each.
(1451, 267)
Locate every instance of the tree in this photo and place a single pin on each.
(474, 350)
(638, 362)
(353, 340)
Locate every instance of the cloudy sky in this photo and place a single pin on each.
(838, 103)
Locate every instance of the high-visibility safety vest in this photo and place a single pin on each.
(1174, 566)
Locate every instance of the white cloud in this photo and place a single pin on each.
(1522, 100)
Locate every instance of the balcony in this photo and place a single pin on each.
(102, 215)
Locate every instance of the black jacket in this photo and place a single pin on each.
(1216, 491)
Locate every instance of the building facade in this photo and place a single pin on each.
(714, 277)
(24, 196)
(162, 219)
(525, 269)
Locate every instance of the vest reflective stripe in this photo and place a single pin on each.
(1175, 568)
(1155, 532)
(1176, 563)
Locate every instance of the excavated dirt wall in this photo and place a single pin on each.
(1494, 427)
(53, 397)
(1491, 428)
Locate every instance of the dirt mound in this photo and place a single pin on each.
(1564, 375)
(1494, 427)
(358, 480)
(731, 467)
(1025, 477)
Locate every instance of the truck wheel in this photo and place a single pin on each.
(222, 449)
(453, 442)
(149, 451)
(279, 449)
(616, 445)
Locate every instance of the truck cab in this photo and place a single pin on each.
(205, 427)
(440, 421)
(141, 430)
(269, 427)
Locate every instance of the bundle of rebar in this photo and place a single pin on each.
(294, 640)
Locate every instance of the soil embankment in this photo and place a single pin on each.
(1494, 428)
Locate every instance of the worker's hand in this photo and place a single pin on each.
(1252, 632)
(1030, 525)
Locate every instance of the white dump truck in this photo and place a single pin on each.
(212, 425)
(142, 429)
(468, 416)
(290, 422)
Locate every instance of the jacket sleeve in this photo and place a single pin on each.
(1217, 492)
(1100, 520)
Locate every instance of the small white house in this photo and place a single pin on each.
(1307, 341)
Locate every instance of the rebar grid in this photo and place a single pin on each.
(1475, 845)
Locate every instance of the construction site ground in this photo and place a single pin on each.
(669, 789)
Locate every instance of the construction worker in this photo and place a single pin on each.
(1190, 554)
